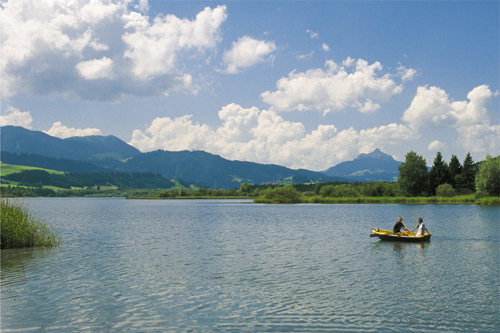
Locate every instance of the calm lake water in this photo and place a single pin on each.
(234, 266)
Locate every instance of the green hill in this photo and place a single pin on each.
(19, 140)
(7, 169)
(109, 154)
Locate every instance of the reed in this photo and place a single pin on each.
(464, 199)
(20, 229)
(489, 201)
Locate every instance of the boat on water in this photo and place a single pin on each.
(390, 236)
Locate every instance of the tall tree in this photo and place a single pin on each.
(468, 174)
(413, 178)
(439, 173)
(455, 169)
(245, 188)
(488, 177)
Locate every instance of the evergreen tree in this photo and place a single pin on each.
(468, 179)
(439, 173)
(317, 188)
(488, 177)
(455, 169)
(413, 178)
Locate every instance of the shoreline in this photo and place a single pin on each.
(458, 200)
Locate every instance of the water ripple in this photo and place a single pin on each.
(205, 266)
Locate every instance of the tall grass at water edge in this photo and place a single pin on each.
(20, 229)
(469, 199)
(464, 199)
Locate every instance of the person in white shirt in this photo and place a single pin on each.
(421, 228)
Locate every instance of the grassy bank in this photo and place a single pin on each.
(465, 199)
(20, 229)
(155, 197)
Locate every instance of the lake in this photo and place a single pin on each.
(235, 266)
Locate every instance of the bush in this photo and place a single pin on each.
(378, 189)
(445, 190)
(327, 191)
(338, 191)
(165, 194)
(19, 229)
(283, 194)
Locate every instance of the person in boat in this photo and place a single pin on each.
(398, 226)
(421, 228)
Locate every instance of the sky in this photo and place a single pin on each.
(303, 84)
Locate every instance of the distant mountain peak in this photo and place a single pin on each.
(373, 166)
(377, 153)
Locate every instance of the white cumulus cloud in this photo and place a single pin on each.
(480, 138)
(354, 84)
(262, 136)
(172, 134)
(432, 107)
(153, 48)
(247, 52)
(16, 118)
(96, 68)
(312, 34)
(60, 131)
(436, 145)
(406, 74)
(325, 47)
(58, 47)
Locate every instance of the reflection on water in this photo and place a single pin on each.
(16, 267)
(226, 266)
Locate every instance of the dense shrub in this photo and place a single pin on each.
(283, 194)
(327, 191)
(338, 191)
(445, 190)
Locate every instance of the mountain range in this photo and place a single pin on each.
(21, 146)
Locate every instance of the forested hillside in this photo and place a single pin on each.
(39, 178)
(60, 164)
(20, 140)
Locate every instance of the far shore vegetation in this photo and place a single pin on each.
(451, 183)
(444, 183)
(20, 229)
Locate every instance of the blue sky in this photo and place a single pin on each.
(304, 84)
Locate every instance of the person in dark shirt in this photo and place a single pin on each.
(398, 226)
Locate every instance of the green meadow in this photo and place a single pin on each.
(7, 169)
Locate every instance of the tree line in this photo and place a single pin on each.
(448, 178)
(415, 179)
